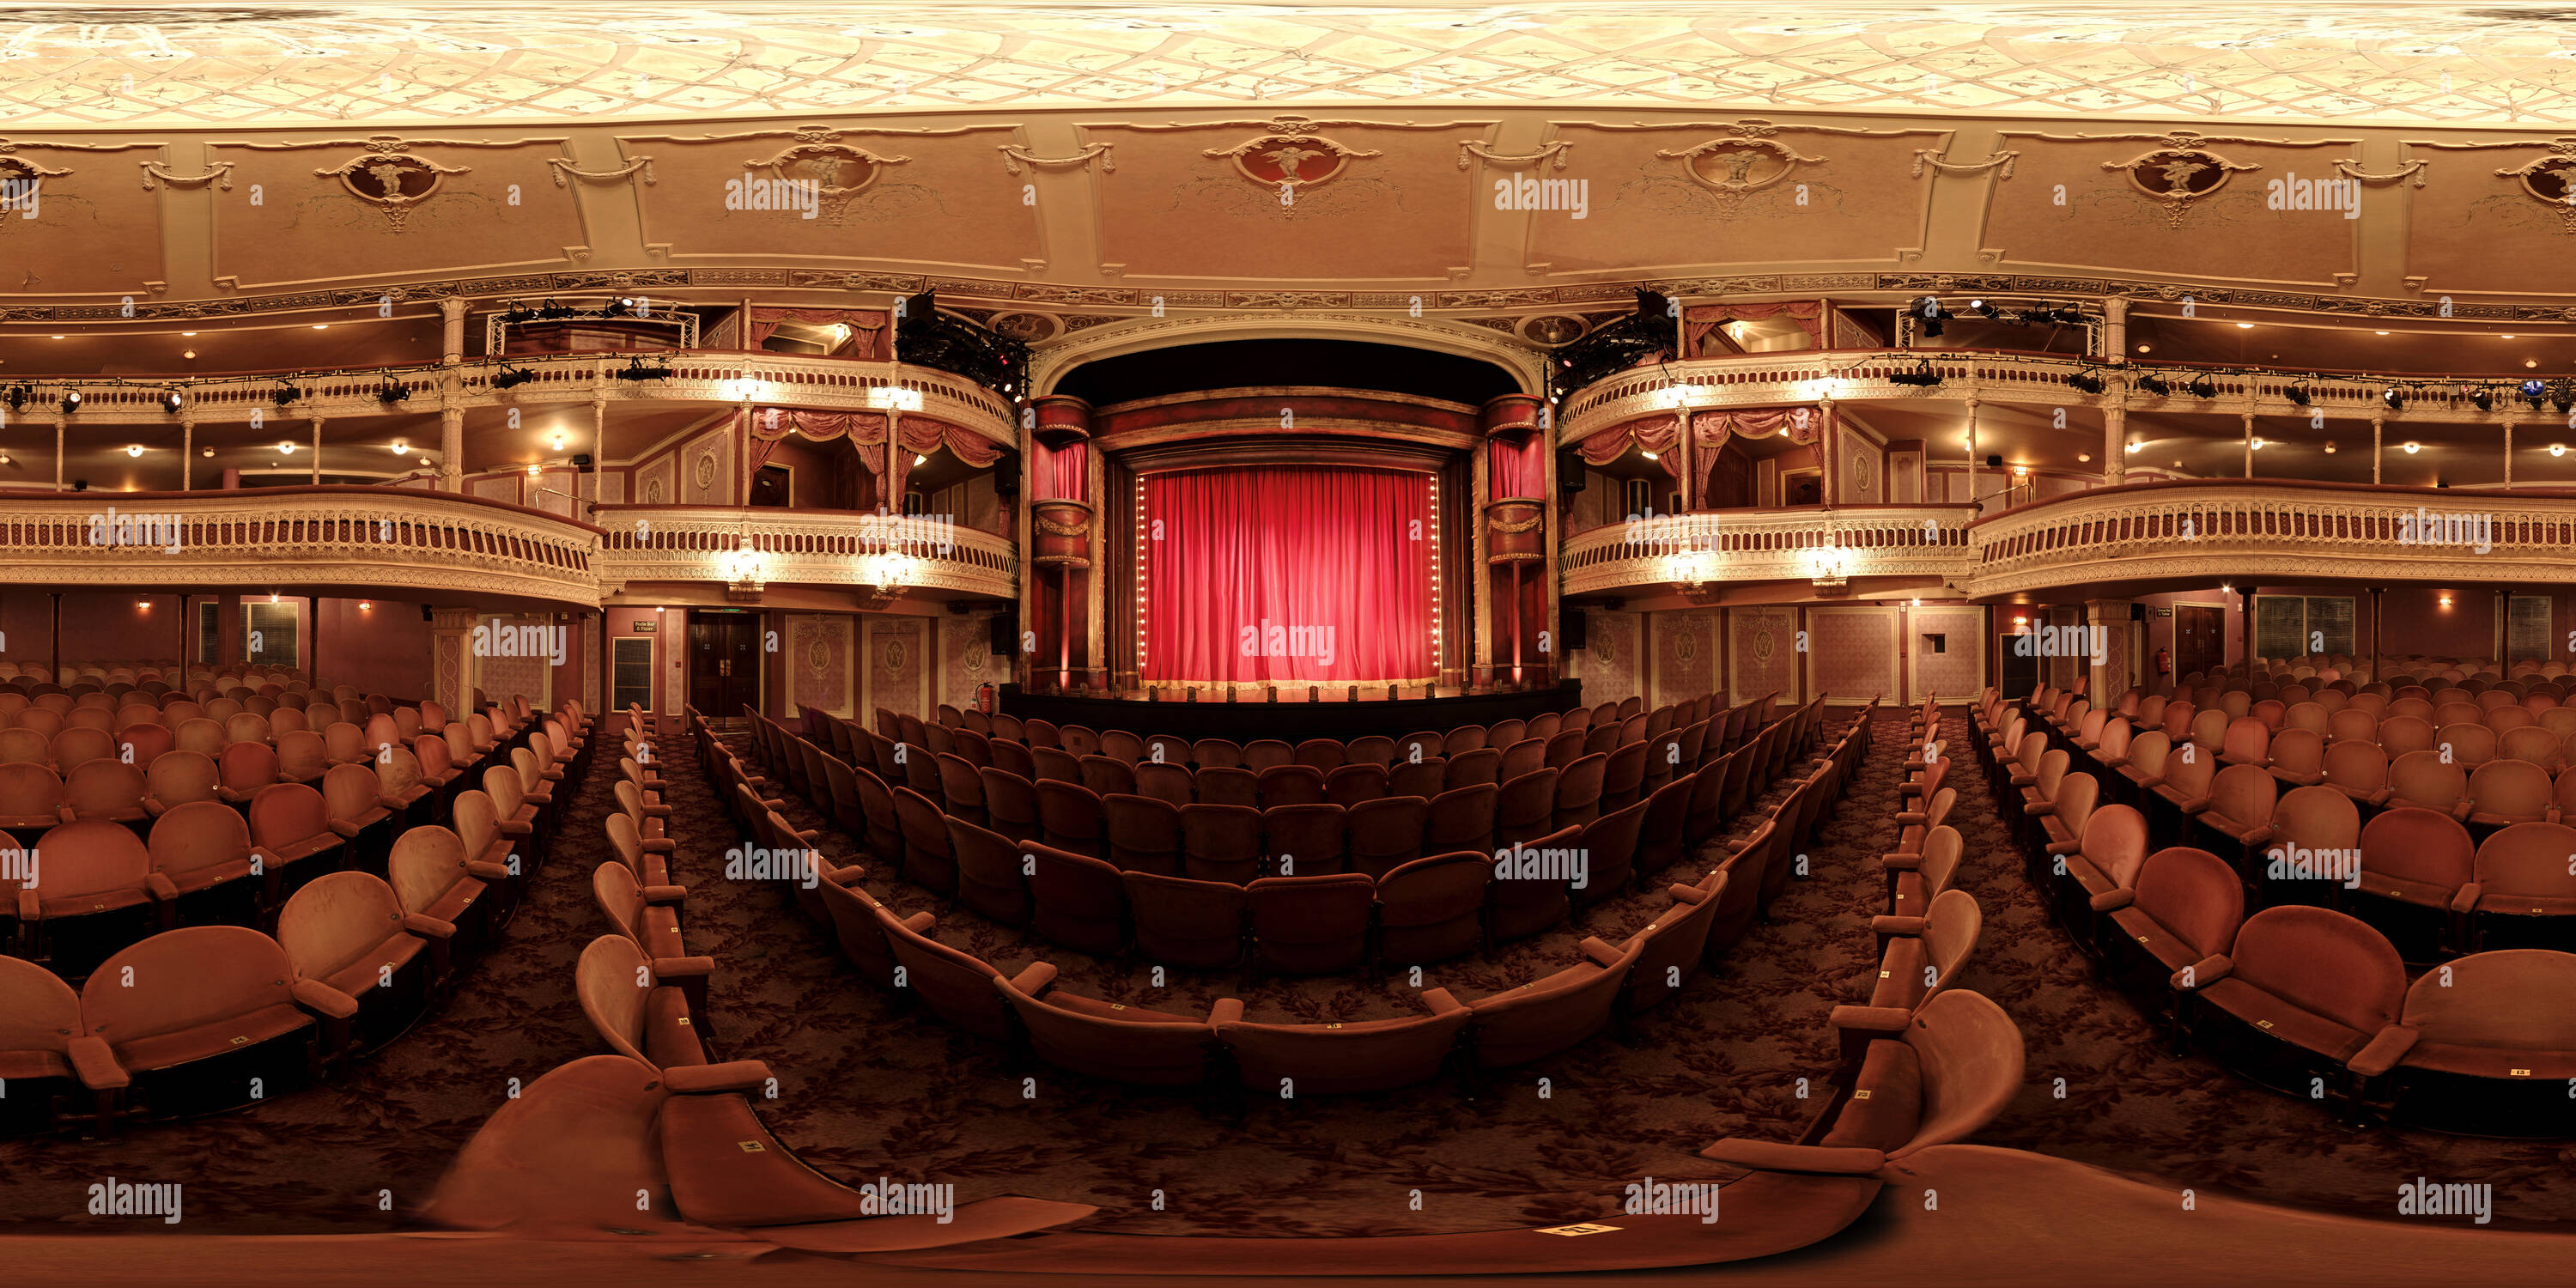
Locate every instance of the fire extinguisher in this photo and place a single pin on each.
(984, 698)
(2164, 661)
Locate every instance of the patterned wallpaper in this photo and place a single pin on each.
(896, 666)
(1851, 653)
(1685, 656)
(964, 659)
(2116, 631)
(706, 469)
(658, 482)
(1762, 645)
(1607, 663)
(817, 659)
(2063, 672)
(1958, 674)
(502, 678)
(503, 488)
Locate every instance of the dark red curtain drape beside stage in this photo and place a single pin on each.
(1288, 575)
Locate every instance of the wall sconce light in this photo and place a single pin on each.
(891, 398)
(1830, 569)
(2446, 601)
(534, 470)
(1691, 571)
(365, 606)
(134, 449)
(402, 447)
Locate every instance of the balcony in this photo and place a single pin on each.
(2200, 532)
(432, 546)
(720, 377)
(1924, 543)
(748, 549)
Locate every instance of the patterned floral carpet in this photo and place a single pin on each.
(872, 1087)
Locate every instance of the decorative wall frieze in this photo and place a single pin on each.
(1015, 156)
(1930, 159)
(561, 167)
(219, 174)
(1558, 149)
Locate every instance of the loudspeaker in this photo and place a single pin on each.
(424, 613)
(2137, 612)
(1006, 478)
(80, 485)
(1574, 621)
(1994, 462)
(581, 462)
(1569, 470)
(1004, 634)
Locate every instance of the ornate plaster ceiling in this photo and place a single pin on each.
(70, 65)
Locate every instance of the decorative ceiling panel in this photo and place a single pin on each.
(66, 65)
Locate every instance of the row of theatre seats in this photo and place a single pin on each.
(1921, 1063)
(1295, 888)
(657, 1139)
(2489, 869)
(167, 673)
(2386, 671)
(1139, 1045)
(2310, 995)
(287, 961)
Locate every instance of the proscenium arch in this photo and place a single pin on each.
(1051, 362)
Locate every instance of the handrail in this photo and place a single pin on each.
(691, 543)
(1768, 545)
(326, 536)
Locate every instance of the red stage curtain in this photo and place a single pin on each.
(1519, 466)
(1064, 471)
(1328, 557)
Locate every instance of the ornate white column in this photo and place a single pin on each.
(1972, 451)
(451, 344)
(2115, 442)
(187, 456)
(317, 448)
(451, 445)
(2375, 424)
(2115, 330)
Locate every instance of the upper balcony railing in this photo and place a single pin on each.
(287, 539)
(724, 377)
(1806, 376)
(1771, 545)
(760, 546)
(2277, 529)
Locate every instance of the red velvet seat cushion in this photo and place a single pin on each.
(212, 1038)
(95, 901)
(1900, 975)
(2152, 935)
(2422, 893)
(30, 1066)
(2285, 1021)
(669, 1039)
(360, 977)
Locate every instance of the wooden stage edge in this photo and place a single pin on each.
(1241, 721)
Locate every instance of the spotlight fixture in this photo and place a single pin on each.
(2412, 448)
(2558, 449)
(71, 401)
(2261, 443)
(285, 394)
(2562, 394)
(2532, 390)
(512, 377)
(519, 312)
(1922, 377)
(170, 400)
(1983, 309)
(2135, 447)
(205, 451)
(134, 449)
(19, 395)
(551, 310)
(636, 370)
(2330, 449)
(2394, 397)
(1928, 311)
(2299, 393)
(2157, 385)
(393, 391)
(2202, 386)
(402, 447)
(2086, 381)
(2068, 314)
(2482, 398)
(286, 447)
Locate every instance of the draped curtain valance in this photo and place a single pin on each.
(1713, 428)
(867, 327)
(1657, 434)
(1700, 319)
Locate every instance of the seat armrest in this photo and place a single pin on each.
(1689, 894)
(1901, 862)
(1440, 1001)
(662, 895)
(2020, 779)
(428, 927)
(514, 827)
(1911, 818)
(162, 887)
(2382, 796)
(1887, 1020)
(96, 1064)
(486, 870)
(2384, 1051)
(2114, 900)
(2466, 900)
(31, 906)
(322, 999)
(1227, 1010)
(846, 876)
(659, 845)
(346, 831)
(2462, 810)
(1771, 1156)
(657, 811)
(702, 1079)
(1599, 951)
(2063, 848)
(919, 923)
(2205, 972)
(2035, 809)
(2196, 805)
(671, 968)
(1035, 978)
(1883, 925)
